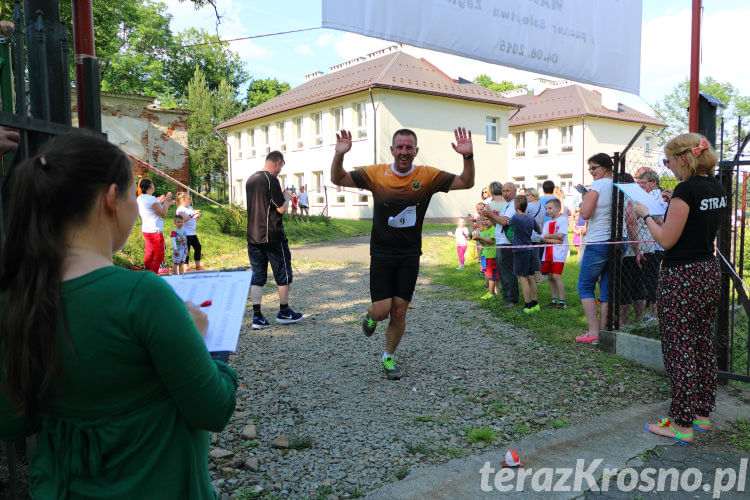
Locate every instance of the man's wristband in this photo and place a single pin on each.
(646, 217)
(469, 156)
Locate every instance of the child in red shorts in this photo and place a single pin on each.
(555, 234)
(487, 239)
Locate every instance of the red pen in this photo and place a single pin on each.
(206, 303)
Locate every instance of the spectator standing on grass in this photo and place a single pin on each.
(689, 285)
(107, 367)
(632, 292)
(487, 239)
(596, 209)
(653, 252)
(555, 237)
(191, 217)
(266, 239)
(524, 258)
(461, 234)
(536, 210)
(304, 204)
(152, 211)
(508, 280)
(178, 239)
(402, 192)
(579, 232)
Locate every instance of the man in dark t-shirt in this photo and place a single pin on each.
(401, 193)
(266, 240)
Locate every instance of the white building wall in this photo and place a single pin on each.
(568, 168)
(432, 118)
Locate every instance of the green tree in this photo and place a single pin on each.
(260, 91)
(196, 48)
(673, 108)
(206, 148)
(504, 86)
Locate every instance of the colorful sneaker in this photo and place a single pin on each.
(368, 325)
(487, 295)
(198, 268)
(288, 317)
(391, 370)
(260, 322)
(460, 266)
(553, 303)
(585, 339)
(561, 304)
(529, 310)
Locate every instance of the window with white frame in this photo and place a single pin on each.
(237, 195)
(539, 181)
(490, 129)
(318, 197)
(317, 128)
(280, 136)
(282, 181)
(519, 144)
(566, 138)
(299, 180)
(519, 182)
(337, 122)
(566, 183)
(647, 146)
(360, 113)
(251, 142)
(266, 139)
(542, 140)
(339, 196)
(298, 140)
(238, 144)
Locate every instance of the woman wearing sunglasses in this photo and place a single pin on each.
(688, 291)
(596, 209)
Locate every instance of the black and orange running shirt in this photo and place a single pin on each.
(401, 202)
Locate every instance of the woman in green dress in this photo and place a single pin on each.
(107, 365)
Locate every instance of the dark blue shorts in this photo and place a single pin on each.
(524, 263)
(278, 255)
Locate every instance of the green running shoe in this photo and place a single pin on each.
(391, 370)
(368, 325)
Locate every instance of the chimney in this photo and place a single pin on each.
(382, 52)
(313, 75)
(610, 99)
(346, 64)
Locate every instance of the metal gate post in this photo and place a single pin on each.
(724, 244)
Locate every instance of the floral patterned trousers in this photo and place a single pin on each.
(688, 297)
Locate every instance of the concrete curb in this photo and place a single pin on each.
(616, 438)
(642, 350)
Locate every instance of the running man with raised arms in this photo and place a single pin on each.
(401, 192)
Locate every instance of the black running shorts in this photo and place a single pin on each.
(278, 255)
(393, 277)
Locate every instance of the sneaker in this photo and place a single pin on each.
(198, 268)
(391, 370)
(648, 319)
(487, 295)
(529, 310)
(510, 305)
(164, 270)
(260, 322)
(554, 303)
(288, 317)
(461, 266)
(561, 304)
(368, 325)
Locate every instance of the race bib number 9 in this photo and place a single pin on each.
(407, 218)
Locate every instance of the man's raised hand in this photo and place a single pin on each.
(463, 145)
(343, 141)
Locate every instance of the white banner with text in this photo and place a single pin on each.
(592, 41)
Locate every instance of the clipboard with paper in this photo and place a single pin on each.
(227, 292)
(637, 194)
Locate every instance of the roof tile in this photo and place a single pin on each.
(395, 70)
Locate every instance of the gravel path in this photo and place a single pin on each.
(315, 416)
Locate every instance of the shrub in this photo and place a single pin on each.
(232, 220)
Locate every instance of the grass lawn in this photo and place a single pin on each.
(222, 251)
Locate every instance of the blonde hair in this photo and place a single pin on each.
(532, 192)
(682, 145)
(183, 197)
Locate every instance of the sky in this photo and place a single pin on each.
(665, 43)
